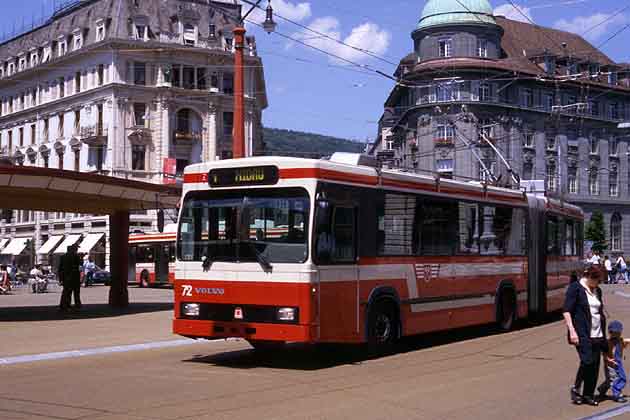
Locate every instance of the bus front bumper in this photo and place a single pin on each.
(246, 330)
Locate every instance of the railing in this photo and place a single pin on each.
(97, 130)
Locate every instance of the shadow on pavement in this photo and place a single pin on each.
(323, 356)
(52, 313)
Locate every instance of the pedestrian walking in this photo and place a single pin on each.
(613, 359)
(622, 267)
(609, 270)
(88, 271)
(586, 323)
(13, 272)
(70, 274)
(5, 283)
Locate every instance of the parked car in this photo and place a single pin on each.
(101, 276)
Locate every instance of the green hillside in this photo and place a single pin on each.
(296, 143)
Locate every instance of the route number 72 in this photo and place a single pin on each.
(187, 290)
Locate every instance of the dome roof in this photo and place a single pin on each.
(447, 12)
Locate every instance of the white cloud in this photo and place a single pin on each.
(367, 36)
(284, 8)
(593, 27)
(510, 12)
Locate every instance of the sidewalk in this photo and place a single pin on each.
(31, 323)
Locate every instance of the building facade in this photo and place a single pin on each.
(127, 88)
(480, 88)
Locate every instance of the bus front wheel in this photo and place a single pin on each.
(144, 279)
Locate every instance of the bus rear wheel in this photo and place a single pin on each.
(506, 309)
(383, 327)
(144, 279)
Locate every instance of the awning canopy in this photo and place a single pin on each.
(50, 244)
(16, 246)
(4, 242)
(69, 240)
(88, 242)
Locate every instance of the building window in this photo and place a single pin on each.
(100, 31)
(613, 111)
(100, 75)
(45, 130)
(447, 92)
(188, 74)
(77, 160)
(484, 92)
(201, 78)
(528, 139)
(613, 183)
(78, 40)
(139, 73)
(34, 97)
(77, 82)
(212, 31)
(527, 98)
(138, 157)
(593, 182)
(34, 59)
(549, 101)
(62, 47)
(77, 122)
(141, 32)
(139, 111)
(190, 34)
(33, 134)
(593, 146)
(572, 181)
(47, 54)
(445, 167)
(228, 124)
(10, 141)
(22, 64)
(552, 178)
(445, 46)
(228, 83)
(482, 48)
(613, 146)
(445, 135)
(61, 123)
(21, 136)
(616, 232)
(62, 87)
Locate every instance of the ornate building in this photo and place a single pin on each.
(128, 88)
(546, 100)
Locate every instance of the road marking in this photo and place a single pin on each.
(609, 413)
(14, 360)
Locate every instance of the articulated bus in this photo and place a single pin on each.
(152, 257)
(359, 254)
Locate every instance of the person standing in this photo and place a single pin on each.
(609, 270)
(88, 271)
(586, 323)
(622, 267)
(5, 283)
(70, 272)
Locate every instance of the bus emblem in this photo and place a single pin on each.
(427, 272)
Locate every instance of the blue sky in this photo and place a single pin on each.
(310, 91)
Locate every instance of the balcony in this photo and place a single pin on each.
(93, 135)
(186, 136)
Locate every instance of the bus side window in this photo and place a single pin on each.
(553, 233)
(344, 234)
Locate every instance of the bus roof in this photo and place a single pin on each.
(369, 176)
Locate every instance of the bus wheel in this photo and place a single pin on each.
(506, 309)
(382, 327)
(266, 345)
(144, 279)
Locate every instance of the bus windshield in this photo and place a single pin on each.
(265, 226)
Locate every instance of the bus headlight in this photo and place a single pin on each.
(190, 309)
(286, 314)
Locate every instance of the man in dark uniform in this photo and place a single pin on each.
(70, 276)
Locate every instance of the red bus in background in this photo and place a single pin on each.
(152, 257)
(277, 250)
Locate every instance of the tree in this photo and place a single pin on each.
(596, 232)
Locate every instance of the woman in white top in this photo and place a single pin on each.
(586, 324)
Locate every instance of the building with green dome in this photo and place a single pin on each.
(547, 100)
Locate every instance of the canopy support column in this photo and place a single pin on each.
(119, 258)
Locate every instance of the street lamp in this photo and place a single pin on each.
(238, 138)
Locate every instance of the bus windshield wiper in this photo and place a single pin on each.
(262, 260)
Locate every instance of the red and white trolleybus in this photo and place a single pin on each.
(296, 250)
(152, 257)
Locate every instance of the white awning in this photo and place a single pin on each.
(16, 246)
(70, 240)
(88, 242)
(4, 242)
(50, 244)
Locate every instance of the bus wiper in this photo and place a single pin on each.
(262, 260)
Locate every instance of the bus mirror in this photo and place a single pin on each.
(322, 214)
(160, 220)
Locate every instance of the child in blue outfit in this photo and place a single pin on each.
(615, 372)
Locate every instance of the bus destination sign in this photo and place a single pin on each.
(236, 177)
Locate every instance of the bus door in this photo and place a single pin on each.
(537, 258)
(162, 259)
(336, 254)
